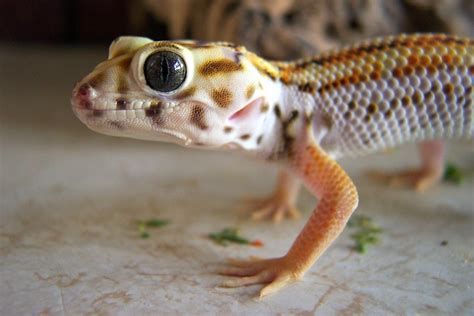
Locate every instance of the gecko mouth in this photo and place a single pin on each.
(249, 109)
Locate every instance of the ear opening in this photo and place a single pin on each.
(252, 108)
(126, 44)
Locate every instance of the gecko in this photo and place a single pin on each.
(302, 115)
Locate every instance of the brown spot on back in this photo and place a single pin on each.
(186, 93)
(327, 120)
(417, 97)
(345, 81)
(448, 88)
(214, 67)
(408, 70)
(436, 60)
(277, 111)
(245, 137)
(372, 108)
(432, 69)
(375, 75)
(413, 60)
(425, 60)
(307, 87)
(447, 59)
(352, 105)
(406, 101)
(249, 91)
(222, 97)
(354, 79)
(395, 103)
(197, 117)
(397, 72)
(228, 129)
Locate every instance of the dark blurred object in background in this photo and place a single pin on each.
(285, 29)
(279, 29)
(66, 20)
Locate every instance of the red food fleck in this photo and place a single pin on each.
(257, 243)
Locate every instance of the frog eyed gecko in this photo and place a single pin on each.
(303, 115)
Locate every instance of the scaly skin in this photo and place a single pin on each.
(302, 114)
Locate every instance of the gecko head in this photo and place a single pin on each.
(186, 92)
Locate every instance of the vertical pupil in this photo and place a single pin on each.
(164, 69)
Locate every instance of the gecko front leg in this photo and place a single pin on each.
(282, 203)
(428, 174)
(338, 198)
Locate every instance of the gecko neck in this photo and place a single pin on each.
(290, 111)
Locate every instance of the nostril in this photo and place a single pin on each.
(84, 91)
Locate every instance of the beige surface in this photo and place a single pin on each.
(69, 199)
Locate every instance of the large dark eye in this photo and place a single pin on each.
(164, 71)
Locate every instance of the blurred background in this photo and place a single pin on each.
(279, 29)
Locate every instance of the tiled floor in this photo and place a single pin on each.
(70, 199)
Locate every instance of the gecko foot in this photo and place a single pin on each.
(276, 273)
(419, 179)
(276, 207)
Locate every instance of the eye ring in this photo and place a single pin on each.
(165, 71)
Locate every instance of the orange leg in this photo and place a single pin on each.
(337, 200)
(427, 175)
(282, 203)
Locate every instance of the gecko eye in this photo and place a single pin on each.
(164, 71)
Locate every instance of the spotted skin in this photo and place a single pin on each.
(303, 114)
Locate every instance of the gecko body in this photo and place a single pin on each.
(302, 114)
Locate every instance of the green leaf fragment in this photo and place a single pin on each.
(156, 223)
(367, 233)
(228, 235)
(142, 230)
(453, 174)
(153, 223)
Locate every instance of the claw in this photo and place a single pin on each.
(274, 272)
(282, 202)
(262, 277)
(275, 286)
(277, 209)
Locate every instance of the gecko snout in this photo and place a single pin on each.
(82, 96)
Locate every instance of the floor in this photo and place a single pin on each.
(70, 200)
